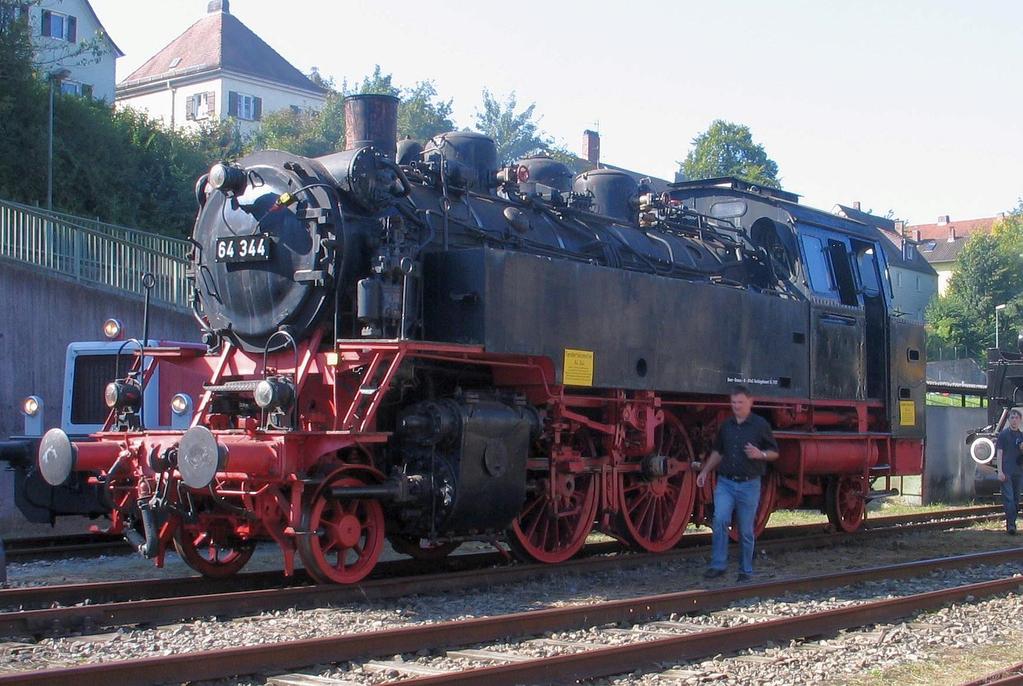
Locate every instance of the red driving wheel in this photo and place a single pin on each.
(656, 508)
(845, 502)
(558, 513)
(346, 536)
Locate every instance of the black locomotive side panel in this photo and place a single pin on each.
(909, 378)
(618, 329)
(837, 351)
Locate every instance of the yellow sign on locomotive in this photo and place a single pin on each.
(907, 413)
(578, 367)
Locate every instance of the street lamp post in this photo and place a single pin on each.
(998, 308)
(55, 76)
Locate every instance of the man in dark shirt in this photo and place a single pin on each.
(741, 452)
(1009, 455)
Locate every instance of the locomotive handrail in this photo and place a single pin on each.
(92, 255)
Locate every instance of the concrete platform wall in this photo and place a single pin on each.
(40, 313)
(949, 470)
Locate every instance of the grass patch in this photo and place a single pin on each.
(945, 669)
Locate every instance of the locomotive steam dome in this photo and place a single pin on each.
(614, 192)
(474, 154)
(548, 171)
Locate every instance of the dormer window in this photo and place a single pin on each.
(60, 26)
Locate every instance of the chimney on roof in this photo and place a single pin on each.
(951, 234)
(900, 227)
(219, 6)
(856, 204)
(591, 146)
(943, 219)
(916, 235)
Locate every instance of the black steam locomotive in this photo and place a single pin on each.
(407, 341)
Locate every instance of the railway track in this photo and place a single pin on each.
(659, 628)
(45, 610)
(93, 544)
(1003, 677)
(71, 545)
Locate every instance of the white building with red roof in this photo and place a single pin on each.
(217, 68)
(940, 243)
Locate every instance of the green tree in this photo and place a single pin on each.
(727, 149)
(515, 133)
(986, 275)
(422, 114)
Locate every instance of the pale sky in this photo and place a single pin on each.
(909, 105)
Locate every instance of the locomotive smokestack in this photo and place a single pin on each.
(372, 120)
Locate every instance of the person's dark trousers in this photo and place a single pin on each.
(1011, 488)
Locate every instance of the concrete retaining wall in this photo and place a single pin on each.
(40, 313)
(949, 471)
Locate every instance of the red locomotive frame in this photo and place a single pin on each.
(619, 461)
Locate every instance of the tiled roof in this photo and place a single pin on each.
(219, 41)
(943, 251)
(893, 254)
(965, 227)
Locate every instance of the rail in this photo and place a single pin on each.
(93, 252)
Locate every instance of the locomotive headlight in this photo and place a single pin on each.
(982, 450)
(275, 393)
(226, 177)
(31, 405)
(112, 329)
(122, 395)
(180, 404)
(181, 411)
(32, 411)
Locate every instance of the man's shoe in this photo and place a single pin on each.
(743, 577)
(713, 573)
(1011, 532)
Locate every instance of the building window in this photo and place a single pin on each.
(243, 106)
(201, 105)
(59, 26)
(11, 13)
(70, 88)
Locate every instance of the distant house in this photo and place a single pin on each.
(61, 31)
(940, 243)
(914, 281)
(217, 68)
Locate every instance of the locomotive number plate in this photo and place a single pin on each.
(255, 248)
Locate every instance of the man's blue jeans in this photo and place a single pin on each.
(742, 499)
(1011, 488)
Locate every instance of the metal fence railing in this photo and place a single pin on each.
(110, 256)
(146, 239)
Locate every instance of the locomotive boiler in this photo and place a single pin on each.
(408, 342)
